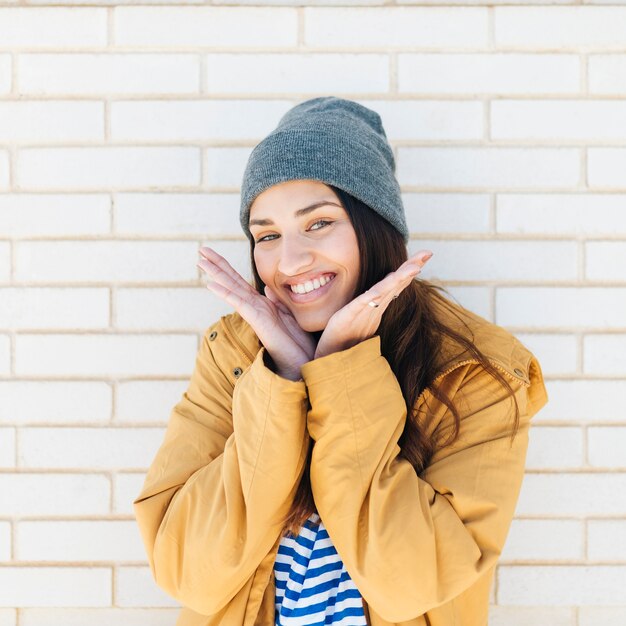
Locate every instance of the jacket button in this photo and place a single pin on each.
(237, 372)
(518, 372)
(212, 336)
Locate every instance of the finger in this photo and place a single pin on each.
(229, 279)
(244, 306)
(214, 260)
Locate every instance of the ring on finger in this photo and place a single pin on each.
(373, 304)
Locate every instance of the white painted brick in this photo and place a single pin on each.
(110, 261)
(105, 167)
(561, 214)
(523, 616)
(110, 73)
(97, 617)
(606, 540)
(604, 354)
(147, 401)
(25, 214)
(5, 545)
(7, 447)
(607, 616)
(554, 28)
(488, 73)
(205, 214)
(67, 402)
(607, 73)
(561, 307)
(300, 73)
(23, 308)
(446, 213)
(396, 26)
(606, 167)
(53, 494)
(605, 260)
(55, 586)
(111, 540)
(126, 487)
(558, 447)
(570, 494)
(201, 26)
(5, 261)
(112, 355)
(530, 168)
(5, 73)
(5, 358)
(557, 354)
(176, 308)
(476, 299)
(590, 120)
(8, 617)
(584, 401)
(544, 540)
(134, 586)
(561, 585)
(499, 260)
(195, 119)
(53, 27)
(606, 446)
(88, 448)
(225, 166)
(52, 121)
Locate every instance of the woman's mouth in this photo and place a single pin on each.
(310, 290)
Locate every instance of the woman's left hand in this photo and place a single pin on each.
(358, 320)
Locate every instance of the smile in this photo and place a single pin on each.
(311, 285)
(310, 289)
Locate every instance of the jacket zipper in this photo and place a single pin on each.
(234, 340)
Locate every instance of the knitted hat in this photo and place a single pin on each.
(336, 141)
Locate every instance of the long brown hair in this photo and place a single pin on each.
(411, 336)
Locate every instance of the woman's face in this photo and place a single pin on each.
(305, 249)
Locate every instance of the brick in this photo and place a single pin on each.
(7, 447)
(607, 73)
(5, 73)
(55, 586)
(105, 167)
(46, 122)
(88, 448)
(561, 308)
(588, 120)
(561, 214)
(53, 494)
(446, 213)
(557, 354)
(176, 308)
(606, 445)
(225, 166)
(489, 73)
(606, 167)
(569, 494)
(170, 214)
(558, 447)
(134, 586)
(5, 261)
(97, 617)
(195, 120)
(340, 73)
(77, 541)
(4, 169)
(5, 547)
(235, 27)
(559, 585)
(26, 308)
(67, 402)
(390, 27)
(604, 354)
(499, 260)
(109, 355)
(544, 540)
(606, 540)
(605, 260)
(25, 214)
(474, 168)
(109, 73)
(50, 27)
(476, 299)
(5, 358)
(147, 401)
(110, 261)
(8, 617)
(126, 487)
(605, 615)
(522, 616)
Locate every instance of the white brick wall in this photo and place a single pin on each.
(124, 131)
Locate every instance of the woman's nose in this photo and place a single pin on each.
(294, 258)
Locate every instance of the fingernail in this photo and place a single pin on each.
(427, 256)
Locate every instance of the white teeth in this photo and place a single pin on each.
(316, 283)
(309, 285)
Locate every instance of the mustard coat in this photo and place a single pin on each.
(421, 549)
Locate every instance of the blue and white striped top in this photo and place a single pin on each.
(313, 587)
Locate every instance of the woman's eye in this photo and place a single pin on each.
(261, 239)
(323, 222)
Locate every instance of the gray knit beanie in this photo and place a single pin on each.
(336, 141)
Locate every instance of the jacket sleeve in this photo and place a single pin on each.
(225, 474)
(413, 542)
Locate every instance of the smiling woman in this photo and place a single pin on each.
(351, 445)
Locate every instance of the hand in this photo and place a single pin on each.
(288, 345)
(358, 320)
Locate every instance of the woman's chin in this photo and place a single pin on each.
(312, 323)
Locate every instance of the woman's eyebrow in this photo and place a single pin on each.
(298, 213)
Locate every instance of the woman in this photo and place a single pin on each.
(351, 445)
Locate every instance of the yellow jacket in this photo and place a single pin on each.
(421, 549)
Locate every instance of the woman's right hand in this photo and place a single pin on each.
(288, 345)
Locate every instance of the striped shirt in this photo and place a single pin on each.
(313, 587)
